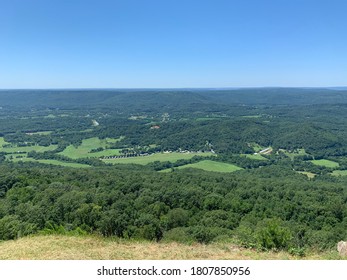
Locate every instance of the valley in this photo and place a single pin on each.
(202, 167)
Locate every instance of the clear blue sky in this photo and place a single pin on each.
(172, 43)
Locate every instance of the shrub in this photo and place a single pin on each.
(9, 227)
(272, 234)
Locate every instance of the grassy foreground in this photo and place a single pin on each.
(60, 247)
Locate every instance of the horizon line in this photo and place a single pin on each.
(180, 88)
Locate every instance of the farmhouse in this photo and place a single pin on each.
(266, 151)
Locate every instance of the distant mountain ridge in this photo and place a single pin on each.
(171, 98)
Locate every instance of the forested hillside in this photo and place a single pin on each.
(269, 207)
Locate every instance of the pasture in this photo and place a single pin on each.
(294, 153)
(325, 163)
(309, 175)
(252, 116)
(255, 156)
(210, 165)
(40, 133)
(3, 142)
(143, 160)
(51, 161)
(339, 173)
(206, 119)
(26, 149)
(256, 147)
(83, 150)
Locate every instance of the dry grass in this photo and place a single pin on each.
(309, 175)
(56, 247)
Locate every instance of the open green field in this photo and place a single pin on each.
(339, 173)
(14, 156)
(325, 163)
(253, 116)
(15, 149)
(293, 154)
(40, 133)
(172, 157)
(52, 161)
(255, 157)
(50, 116)
(210, 165)
(113, 140)
(207, 119)
(39, 149)
(256, 147)
(3, 142)
(26, 149)
(83, 150)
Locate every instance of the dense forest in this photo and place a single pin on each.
(140, 164)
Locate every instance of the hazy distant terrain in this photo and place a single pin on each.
(171, 98)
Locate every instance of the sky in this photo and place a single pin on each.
(172, 43)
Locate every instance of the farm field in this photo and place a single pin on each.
(16, 155)
(52, 161)
(253, 116)
(293, 154)
(210, 165)
(207, 119)
(83, 150)
(255, 157)
(3, 142)
(113, 140)
(40, 133)
(27, 149)
(325, 163)
(310, 175)
(143, 160)
(256, 147)
(339, 173)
